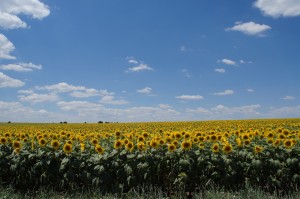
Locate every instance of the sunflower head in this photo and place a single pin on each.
(215, 148)
(288, 143)
(3, 140)
(118, 144)
(17, 144)
(99, 149)
(55, 144)
(42, 142)
(154, 144)
(67, 148)
(227, 148)
(171, 147)
(129, 146)
(258, 149)
(141, 146)
(186, 145)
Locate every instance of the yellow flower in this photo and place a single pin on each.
(118, 134)
(82, 146)
(201, 145)
(215, 148)
(99, 149)
(67, 148)
(141, 139)
(227, 148)
(17, 144)
(154, 144)
(246, 142)
(3, 140)
(129, 146)
(171, 147)
(288, 143)
(55, 144)
(186, 145)
(42, 142)
(258, 149)
(118, 144)
(141, 146)
(94, 141)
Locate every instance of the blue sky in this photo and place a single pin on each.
(133, 60)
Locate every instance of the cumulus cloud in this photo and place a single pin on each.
(225, 92)
(140, 67)
(279, 8)
(109, 99)
(183, 49)
(164, 106)
(288, 97)
(227, 62)
(38, 98)
(220, 70)
(90, 92)
(10, 9)
(61, 87)
(190, 97)
(21, 67)
(249, 28)
(6, 81)
(6, 47)
(146, 90)
(250, 90)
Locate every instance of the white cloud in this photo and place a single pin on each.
(220, 70)
(6, 81)
(190, 97)
(186, 73)
(228, 62)
(288, 97)
(250, 109)
(284, 112)
(146, 90)
(6, 47)
(140, 67)
(26, 92)
(279, 8)
(164, 106)
(183, 49)
(109, 99)
(133, 61)
(225, 92)
(249, 28)
(38, 98)
(61, 88)
(21, 67)
(250, 90)
(9, 9)
(90, 92)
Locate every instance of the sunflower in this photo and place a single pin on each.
(42, 142)
(17, 150)
(16, 144)
(99, 149)
(175, 142)
(161, 141)
(276, 142)
(258, 149)
(281, 136)
(3, 140)
(141, 139)
(55, 144)
(187, 135)
(168, 139)
(67, 148)
(186, 145)
(178, 135)
(215, 148)
(201, 146)
(201, 138)
(141, 146)
(118, 134)
(154, 144)
(129, 146)
(171, 147)
(213, 138)
(288, 143)
(246, 142)
(227, 148)
(118, 144)
(82, 146)
(246, 136)
(94, 141)
(145, 134)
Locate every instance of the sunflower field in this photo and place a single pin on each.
(173, 156)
